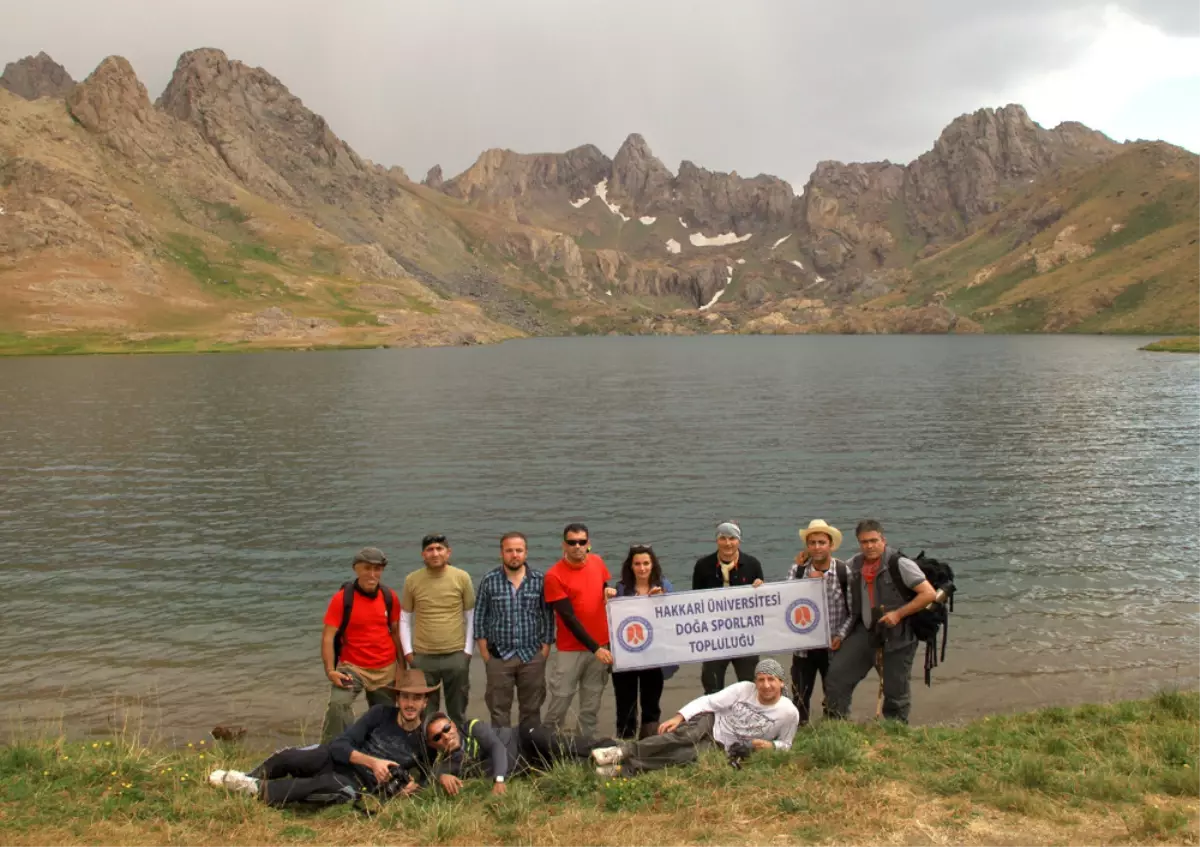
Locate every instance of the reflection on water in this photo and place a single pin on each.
(172, 527)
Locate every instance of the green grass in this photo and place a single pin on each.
(1144, 220)
(1074, 769)
(1189, 344)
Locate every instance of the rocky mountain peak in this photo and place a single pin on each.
(434, 178)
(726, 202)
(269, 139)
(111, 96)
(499, 176)
(36, 76)
(639, 178)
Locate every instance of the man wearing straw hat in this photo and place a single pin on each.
(817, 562)
(374, 756)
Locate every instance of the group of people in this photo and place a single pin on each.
(544, 638)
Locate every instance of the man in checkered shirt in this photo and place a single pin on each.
(817, 562)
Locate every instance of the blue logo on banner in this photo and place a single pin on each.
(803, 616)
(635, 634)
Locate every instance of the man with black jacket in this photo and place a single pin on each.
(499, 752)
(374, 756)
(727, 567)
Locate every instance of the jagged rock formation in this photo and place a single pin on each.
(640, 180)
(499, 178)
(434, 178)
(36, 76)
(977, 156)
(712, 200)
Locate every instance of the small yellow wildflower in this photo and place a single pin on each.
(113, 773)
(201, 756)
(190, 744)
(45, 773)
(95, 745)
(169, 770)
(201, 740)
(64, 758)
(107, 743)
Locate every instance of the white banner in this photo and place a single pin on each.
(718, 623)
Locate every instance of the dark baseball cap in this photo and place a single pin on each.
(435, 538)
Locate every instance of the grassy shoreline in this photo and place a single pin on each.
(1183, 344)
(1120, 773)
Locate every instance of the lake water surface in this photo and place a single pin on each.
(171, 527)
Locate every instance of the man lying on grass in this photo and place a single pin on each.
(745, 716)
(374, 756)
(500, 752)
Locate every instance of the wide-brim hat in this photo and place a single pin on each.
(818, 525)
(411, 681)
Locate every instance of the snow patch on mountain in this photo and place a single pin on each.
(602, 193)
(717, 296)
(699, 239)
(780, 241)
(579, 204)
(673, 246)
(797, 264)
(647, 220)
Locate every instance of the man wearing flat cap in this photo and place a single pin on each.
(726, 567)
(360, 642)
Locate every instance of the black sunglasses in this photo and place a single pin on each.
(437, 736)
(432, 539)
(577, 542)
(641, 548)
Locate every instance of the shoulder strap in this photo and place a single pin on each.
(843, 576)
(347, 605)
(856, 590)
(388, 599)
(897, 580)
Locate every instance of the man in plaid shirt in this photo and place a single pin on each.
(817, 562)
(514, 629)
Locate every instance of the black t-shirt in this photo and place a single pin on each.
(378, 733)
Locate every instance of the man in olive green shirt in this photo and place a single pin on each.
(437, 611)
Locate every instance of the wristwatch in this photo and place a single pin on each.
(500, 778)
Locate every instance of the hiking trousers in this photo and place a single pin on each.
(849, 666)
(712, 674)
(804, 679)
(293, 774)
(569, 671)
(679, 747)
(453, 671)
(630, 687)
(339, 714)
(529, 681)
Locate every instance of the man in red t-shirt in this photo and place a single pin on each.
(370, 643)
(575, 590)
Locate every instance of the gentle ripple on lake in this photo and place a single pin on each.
(171, 528)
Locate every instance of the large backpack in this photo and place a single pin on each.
(926, 623)
(348, 593)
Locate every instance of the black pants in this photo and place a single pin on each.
(294, 774)
(804, 679)
(627, 686)
(712, 674)
(541, 747)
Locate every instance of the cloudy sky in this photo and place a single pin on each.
(771, 86)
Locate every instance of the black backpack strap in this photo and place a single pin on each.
(843, 576)
(898, 581)
(388, 599)
(856, 589)
(347, 605)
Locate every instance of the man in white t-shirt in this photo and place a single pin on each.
(754, 714)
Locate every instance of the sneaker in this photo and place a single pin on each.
(608, 771)
(607, 756)
(238, 781)
(217, 779)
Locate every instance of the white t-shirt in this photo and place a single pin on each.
(740, 717)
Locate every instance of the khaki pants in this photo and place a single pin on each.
(529, 681)
(339, 714)
(566, 673)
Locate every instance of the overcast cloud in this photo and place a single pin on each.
(749, 86)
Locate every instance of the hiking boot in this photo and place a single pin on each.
(217, 779)
(608, 771)
(604, 756)
(647, 730)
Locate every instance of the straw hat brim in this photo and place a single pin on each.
(833, 532)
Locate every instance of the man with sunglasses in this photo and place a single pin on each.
(575, 591)
(726, 567)
(499, 752)
(437, 610)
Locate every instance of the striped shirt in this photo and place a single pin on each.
(515, 622)
(837, 605)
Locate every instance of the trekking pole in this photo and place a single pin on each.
(876, 613)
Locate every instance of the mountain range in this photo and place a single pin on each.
(226, 214)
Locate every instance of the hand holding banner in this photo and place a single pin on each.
(719, 623)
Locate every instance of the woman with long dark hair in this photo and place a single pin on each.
(641, 575)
